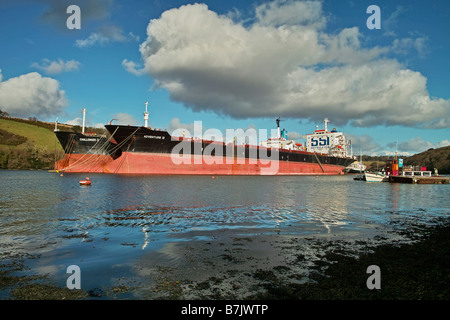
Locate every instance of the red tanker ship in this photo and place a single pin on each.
(142, 150)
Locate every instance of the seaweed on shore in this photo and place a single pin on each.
(414, 271)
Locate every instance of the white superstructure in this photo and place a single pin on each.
(332, 143)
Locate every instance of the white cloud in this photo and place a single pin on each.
(106, 34)
(93, 39)
(131, 67)
(390, 23)
(199, 130)
(282, 12)
(417, 145)
(55, 67)
(99, 125)
(293, 135)
(283, 64)
(125, 119)
(177, 127)
(364, 144)
(79, 122)
(75, 122)
(32, 95)
(405, 45)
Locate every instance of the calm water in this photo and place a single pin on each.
(120, 222)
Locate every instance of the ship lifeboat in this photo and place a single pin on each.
(85, 182)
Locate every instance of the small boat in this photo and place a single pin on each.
(360, 177)
(355, 167)
(375, 177)
(85, 182)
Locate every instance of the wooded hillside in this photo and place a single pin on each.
(432, 158)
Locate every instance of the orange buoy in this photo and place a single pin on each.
(85, 182)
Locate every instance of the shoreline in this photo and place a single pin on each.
(418, 270)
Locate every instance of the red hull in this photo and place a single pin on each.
(83, 163)
(165, 164)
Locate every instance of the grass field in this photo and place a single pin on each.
(38, 150)
(39, 137)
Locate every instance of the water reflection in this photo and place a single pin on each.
(121, 213)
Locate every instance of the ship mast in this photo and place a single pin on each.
(84, 118)
(146, 115)
(278, 127)
(325, 124)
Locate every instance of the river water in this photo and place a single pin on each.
(160, 235)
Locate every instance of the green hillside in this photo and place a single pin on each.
(27, 144)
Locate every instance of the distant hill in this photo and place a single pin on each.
(27, 145)
(30, 143)
(432, 158)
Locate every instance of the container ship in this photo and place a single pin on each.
(144, 150)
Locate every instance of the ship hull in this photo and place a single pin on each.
(166, 164)
(147, 151)
(80, 163)
(85, 153)
(152, 152)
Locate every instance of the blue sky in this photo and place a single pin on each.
(235, 64)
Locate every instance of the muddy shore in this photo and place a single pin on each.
(275, 267)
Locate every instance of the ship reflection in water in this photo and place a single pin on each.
(128, 228)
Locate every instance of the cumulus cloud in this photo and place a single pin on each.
(364, 144)
(132, 67)
(105, 35)
(293, 135)
(177, 128)
(32, 95)
(405, 45)
(282, 13)
(417, 144)
(125, 119)
(75, 122)
(79, 122)
(55, 67)
(283, 64)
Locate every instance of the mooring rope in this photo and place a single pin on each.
(83, 161)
